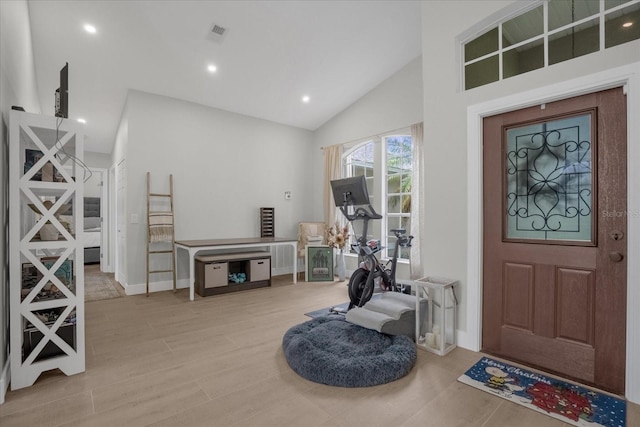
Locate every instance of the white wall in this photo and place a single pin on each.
(97, 160)
(17, 87)
(93, 186)
(394, 104)
(18, 67)
(118, 236)
(445, 116)
(122, 136)
(225, 167)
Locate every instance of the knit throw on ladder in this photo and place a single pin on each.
(160, 226)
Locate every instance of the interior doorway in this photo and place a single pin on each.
(99, 283)
(554, 257)
(94, 210)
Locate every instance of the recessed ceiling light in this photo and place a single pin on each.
(90, 28)
(212, 68)
(81, 120)
(306, 99)
(627, 24)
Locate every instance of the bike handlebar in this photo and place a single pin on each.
(360, 213)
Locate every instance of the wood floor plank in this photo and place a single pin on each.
(54, 413)
(163, 360)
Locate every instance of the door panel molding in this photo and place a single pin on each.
(627, 76)
(575, 295)
(517, 305)
(543, 351)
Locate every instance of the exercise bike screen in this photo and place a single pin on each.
(355, 189)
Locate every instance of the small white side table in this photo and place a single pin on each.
(436, 331)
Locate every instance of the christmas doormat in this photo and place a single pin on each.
(567, 402)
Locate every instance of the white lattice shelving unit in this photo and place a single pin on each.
(46, 258)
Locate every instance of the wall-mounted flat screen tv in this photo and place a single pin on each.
(62, 93)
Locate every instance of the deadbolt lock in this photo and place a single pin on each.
(616, 235)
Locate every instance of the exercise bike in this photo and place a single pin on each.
(371, 272)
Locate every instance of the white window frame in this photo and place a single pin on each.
(387, 237)
(378, 195)
(508, 14)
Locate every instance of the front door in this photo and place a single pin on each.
(554, 285)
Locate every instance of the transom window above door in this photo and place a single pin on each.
(547, 33)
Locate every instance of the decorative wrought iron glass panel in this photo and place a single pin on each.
(548, 180)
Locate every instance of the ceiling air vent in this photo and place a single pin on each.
(218, 30)
(217, 33)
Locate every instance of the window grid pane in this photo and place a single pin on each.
(482, 45)
(563, 12)
(361, 161)
(610, 4)
(622, 26)
(523, 27)
(523, 59)
(482, 72)
(574, 42)
(394, 160)
(398, 172)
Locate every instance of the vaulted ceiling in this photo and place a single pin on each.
(272, 53)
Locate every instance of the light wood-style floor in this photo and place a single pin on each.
(218, 361)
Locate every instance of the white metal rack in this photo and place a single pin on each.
(46, 258)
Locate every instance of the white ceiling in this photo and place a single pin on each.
(272, 54)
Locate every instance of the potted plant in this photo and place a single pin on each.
(337, 238)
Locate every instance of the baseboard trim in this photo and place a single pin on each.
(5, 378)
(465, 341)
(165, 285)
(281, 271)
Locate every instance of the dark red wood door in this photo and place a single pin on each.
(554, 285)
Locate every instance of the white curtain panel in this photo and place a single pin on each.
(332, 170)
(417, 218)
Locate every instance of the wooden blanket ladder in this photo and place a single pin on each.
(160, 229)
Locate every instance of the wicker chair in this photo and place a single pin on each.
(307, 231)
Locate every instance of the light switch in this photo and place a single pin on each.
(134, 218)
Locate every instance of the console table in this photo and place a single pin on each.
(193, 247)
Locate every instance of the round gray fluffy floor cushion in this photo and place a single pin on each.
(330, 351)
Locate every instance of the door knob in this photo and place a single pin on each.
(615, 256)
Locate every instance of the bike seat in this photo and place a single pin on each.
(398, 230)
